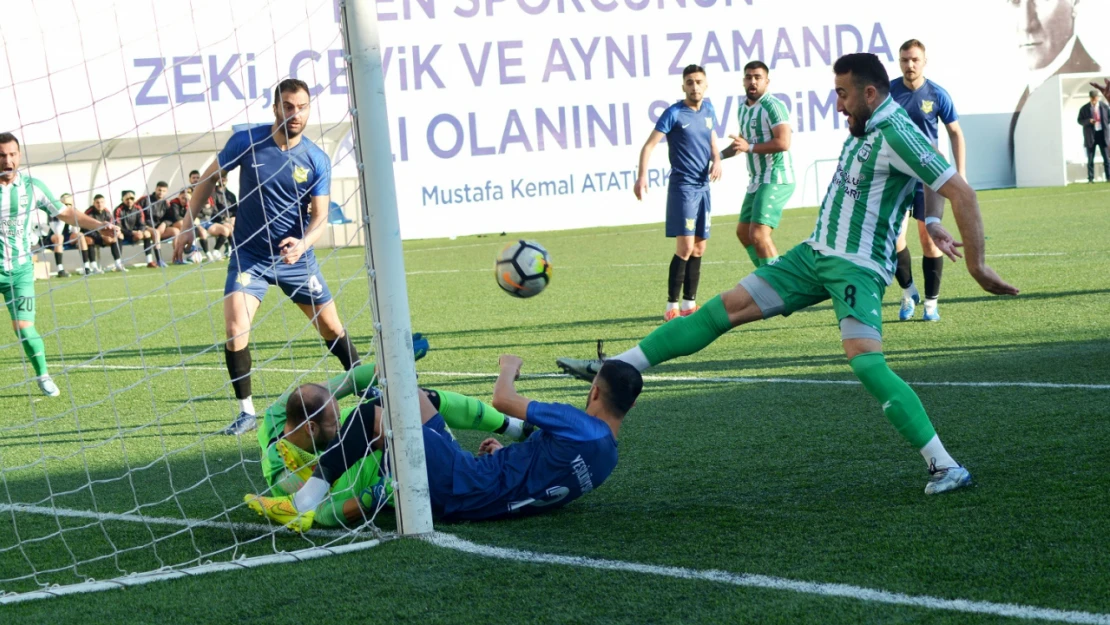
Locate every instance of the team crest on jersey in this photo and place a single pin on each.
(864, 153)
(926, 106)
(709, 123)
(300, 174)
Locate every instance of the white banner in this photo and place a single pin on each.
(512, 115)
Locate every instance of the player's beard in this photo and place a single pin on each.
(289, 132)
(857, 124)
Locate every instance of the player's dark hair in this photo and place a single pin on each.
(98, 196)
(912, 43)
(7, 137)
(757, 65)
(125, 192)
(866, 70)
(194, 172)
(620, 385)
(162, 183)
(307, 402)
(290, 85)
(692, 68)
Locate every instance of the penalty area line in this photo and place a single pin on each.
(448, 541)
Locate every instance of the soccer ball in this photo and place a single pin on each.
(523, 269)
(196, 257)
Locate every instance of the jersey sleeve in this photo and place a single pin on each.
(44, 199)
(666, 121)
(911, 153)
(322, 184)
(777, 113)
(565, 421)
(234, 150)
(946, 109)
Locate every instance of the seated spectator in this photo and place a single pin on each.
(102, 238)
(133, 227)
(226, 205)
(154, 209)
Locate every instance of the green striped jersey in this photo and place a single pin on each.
(873, 187)
(18, 202)
(756, 124)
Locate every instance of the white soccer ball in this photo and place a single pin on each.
(196, 257)
(523, 268)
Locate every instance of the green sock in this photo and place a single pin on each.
(35, 349)
(752, 254)
(358, 379)
(767, 261)
(467, 413)
(687, 335)
(900, 404)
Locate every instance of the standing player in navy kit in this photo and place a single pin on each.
(926, 102)
(695, 161)
(284, 188)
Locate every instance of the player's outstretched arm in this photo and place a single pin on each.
(84, 221)
(201, 193)
(505, 397)
(965, 207)
(645, 158)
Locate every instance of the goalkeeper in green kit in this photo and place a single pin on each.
(291, 440)
(20, 196)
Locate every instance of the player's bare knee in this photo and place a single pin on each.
(760, 234)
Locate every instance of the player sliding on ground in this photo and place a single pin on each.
(849, 258)
(290, 437)
(571, 454)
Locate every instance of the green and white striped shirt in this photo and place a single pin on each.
(873, 187)
(756, 126)
(18, 201)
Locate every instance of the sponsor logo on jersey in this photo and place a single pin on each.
(927, 106)
(300, 174)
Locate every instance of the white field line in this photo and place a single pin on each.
(255, 528)
(649, 377)
(454, 543)
(776, 583)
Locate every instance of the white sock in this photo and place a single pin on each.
(314, 491)
(149, 257)
(87, 264)
(672, 305)
(515, 428)
(119, 262)
(634, 357)
(931, 304)
(689, 304)
(246, 405)
(934, 451)
(61, 268)
(910, 291)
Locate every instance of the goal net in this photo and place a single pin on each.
(125, 476)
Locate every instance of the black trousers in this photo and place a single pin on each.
(1091, 161)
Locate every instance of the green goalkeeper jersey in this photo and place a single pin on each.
(874, 187)
(365, 475)
(757, 123)
(18, 202)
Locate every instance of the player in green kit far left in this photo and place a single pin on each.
(850, 259)
(20, 196)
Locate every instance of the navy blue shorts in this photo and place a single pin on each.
(919, 202)
(688, 211)
(440, 453)
(302, 281)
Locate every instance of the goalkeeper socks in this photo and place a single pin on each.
(239, 370)
(685, 335)
(752, 254)
(933, 268)
(358, 380)
(314, 491)
(467, 413)
(676, 278)
(904, 271)
(900, 404)
(34, 348)
(343, 349)
(693, 276)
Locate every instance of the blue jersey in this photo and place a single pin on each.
(688, 141)
(926, 105)
(276, 187)
(571, 454)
